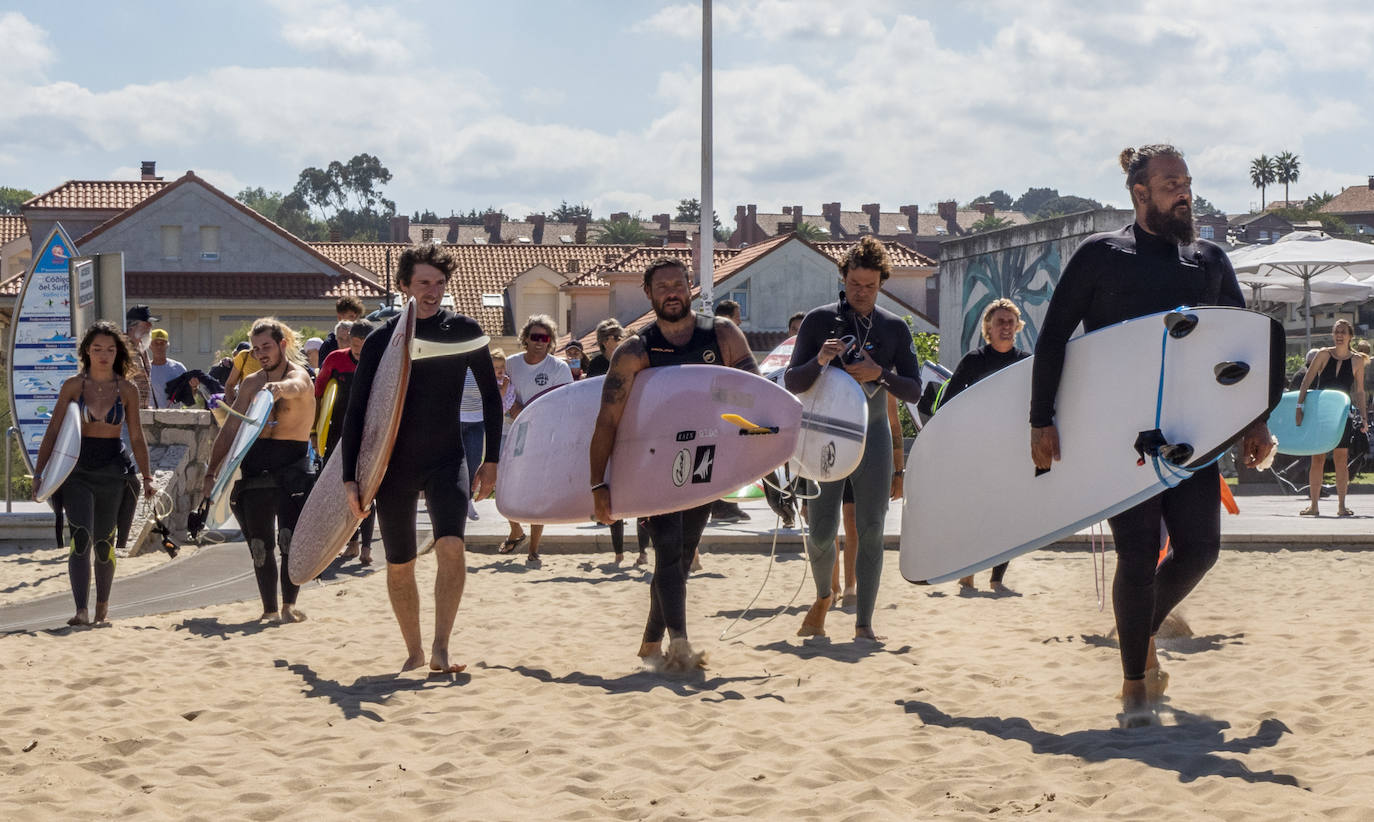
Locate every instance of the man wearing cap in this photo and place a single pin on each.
(163, 370)
(138, 323)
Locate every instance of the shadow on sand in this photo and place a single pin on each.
(825, 648)
(690, 684)
(1189, 748)
(210, 627)
(366, 690)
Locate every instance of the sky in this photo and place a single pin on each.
(524, 105)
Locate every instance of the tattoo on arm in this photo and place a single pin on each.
(746, 363)
(613, 389)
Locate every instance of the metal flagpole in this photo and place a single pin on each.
(706, 236)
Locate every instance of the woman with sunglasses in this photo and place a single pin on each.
(533, 373)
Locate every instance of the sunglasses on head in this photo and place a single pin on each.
(537, 337)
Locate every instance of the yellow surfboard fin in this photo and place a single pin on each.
(747, 427)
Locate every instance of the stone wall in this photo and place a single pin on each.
(179, 443)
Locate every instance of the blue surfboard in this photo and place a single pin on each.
(258, 412)
(1323, 422)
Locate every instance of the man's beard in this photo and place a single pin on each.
(661, 313)
(1178, 230)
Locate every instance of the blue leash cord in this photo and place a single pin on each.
(1175, 472)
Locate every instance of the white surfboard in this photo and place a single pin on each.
(834, 423)
(65, 452)
(674, 449)
(973, 497)
(258, 412)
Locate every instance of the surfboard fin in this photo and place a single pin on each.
(1230, 373)
(1152, 442)
(1180, 324)
(746, 427)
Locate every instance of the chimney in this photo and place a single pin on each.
(572, 266)
(335, 235)
(912, 218)
(620, 217)
(663, 220)
(752, 214)
(831, 213)
(797, 214)
(986, 209)
(676, 236)
(492, 223)
(453, 223)
(400, 229)
(580, 235)
(1371, 182)
(786, 227)
(873, 210)
(949, 212)
(538, 221)
(150, 170)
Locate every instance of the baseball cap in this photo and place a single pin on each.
(313, 344)
(159, 334)
(140, 313)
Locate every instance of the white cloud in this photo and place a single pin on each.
(27, 52)
(352, 36)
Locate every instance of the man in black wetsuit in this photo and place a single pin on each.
(678, 336)
(428, 454)
(1001, 323)
(1153, 265)
(875, 347)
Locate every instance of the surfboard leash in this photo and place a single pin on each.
(1153, 444)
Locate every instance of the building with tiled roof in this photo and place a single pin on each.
(81, 205)
(15, 250)
(1355, 205)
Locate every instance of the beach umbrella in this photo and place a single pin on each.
(1304, 255)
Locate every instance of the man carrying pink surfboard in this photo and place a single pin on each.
(678, 336)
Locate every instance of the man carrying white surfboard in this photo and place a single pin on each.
(427, 456)
(875, 347)
(275, 472)
(678, 336)
(1153, 265)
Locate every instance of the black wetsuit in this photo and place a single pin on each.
(976, 365)
(675, 536)
(1110, 278)
(275, 480)
(597, 366)
(93, 498)
(428, 454)
(888, 341)
(1340, 376)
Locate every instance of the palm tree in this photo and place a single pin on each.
(622, 232)
(1286, 171)
(1262, 173)
(811, 233)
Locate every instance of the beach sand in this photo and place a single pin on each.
(977, 707)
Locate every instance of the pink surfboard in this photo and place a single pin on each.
(674, 448)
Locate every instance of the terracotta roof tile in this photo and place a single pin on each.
(12, 227)
(902, 256)
(1352, 200)
(108, 195)
(9, 289)
(224, 285)
(482, 269)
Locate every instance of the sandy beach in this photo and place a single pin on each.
(976, 707)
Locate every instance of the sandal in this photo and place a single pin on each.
(509, 545)
(1309, 511)
(1344, 512)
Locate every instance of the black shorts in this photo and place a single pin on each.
(445, 487)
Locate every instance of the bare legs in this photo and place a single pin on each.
(1315, 471)
(448, 594)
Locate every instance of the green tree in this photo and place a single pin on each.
(426, 216)
(12, 198)
(810, 232)
(1331, 224)
(1067, 204)
(622, 232)
(1034, 198)
(274, 206)
(990, 223)
(1202, 208)
(1262, 174)
(334, 188)
(1316, 202)
(1000, 200)
(1286, 170)
(567, 213)
(689, 211)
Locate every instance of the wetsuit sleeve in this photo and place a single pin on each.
(1231, 293)
(965, 374)
(359, 391)
(1068, 307)
(484, 373)
(322, 379)
(810, 337)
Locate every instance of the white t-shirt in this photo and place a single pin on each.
(532, 380)
(470, 407)
(159, 376)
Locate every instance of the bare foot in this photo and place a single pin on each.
(438, 661)
(270, 616)
(696, 562)
(966, 582)
(813, 624)
(836, 594)
(413, 661)
(1136, 711)
(999, 588)
(102, 612)
(290, 613)
(681, 659)
(648, 649)
(642, 559)
(351, 551)
(866, 633)
(81, 618)
(619, 558)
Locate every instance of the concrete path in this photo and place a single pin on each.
(221, 574)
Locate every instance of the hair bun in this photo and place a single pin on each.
(1127, 155)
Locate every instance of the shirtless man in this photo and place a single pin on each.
(276, 476)
(678, 336)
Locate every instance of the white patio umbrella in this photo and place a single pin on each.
(1304, 255)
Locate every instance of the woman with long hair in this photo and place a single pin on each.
(1341, 368)
(104, 477)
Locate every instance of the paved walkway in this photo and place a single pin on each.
(222, 573)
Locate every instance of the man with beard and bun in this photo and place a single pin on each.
(875, 347)
(1152, 265)
(276, 476)
(678, 336)
(428, 454)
